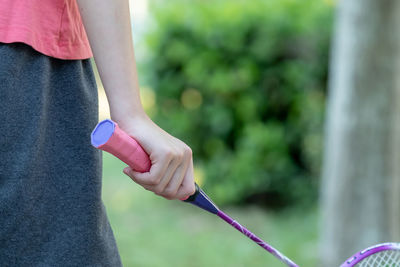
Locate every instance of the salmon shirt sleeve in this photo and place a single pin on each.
(52, 27)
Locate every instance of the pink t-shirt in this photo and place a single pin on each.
(52, 27)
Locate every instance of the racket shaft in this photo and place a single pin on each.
(256, 239)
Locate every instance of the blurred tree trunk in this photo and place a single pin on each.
(361, 178)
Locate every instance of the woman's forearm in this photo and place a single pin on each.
(108, 27)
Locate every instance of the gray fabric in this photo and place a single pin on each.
(51, 213)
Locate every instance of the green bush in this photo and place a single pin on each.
(243, 83)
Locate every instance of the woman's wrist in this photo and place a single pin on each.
(121, 116)
(124, 118)
(125, 103)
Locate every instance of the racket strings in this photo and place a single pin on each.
(386, 258)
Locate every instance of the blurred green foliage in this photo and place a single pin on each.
(153, 232)
(243, 83)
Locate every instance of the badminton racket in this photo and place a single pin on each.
(109, 137)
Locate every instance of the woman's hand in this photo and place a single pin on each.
(171, 173)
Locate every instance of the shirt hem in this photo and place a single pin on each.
(61, 50)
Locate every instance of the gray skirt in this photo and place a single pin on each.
(51, 212)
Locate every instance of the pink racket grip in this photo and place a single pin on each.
(109, 137)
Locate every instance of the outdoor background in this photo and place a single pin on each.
(244, 84)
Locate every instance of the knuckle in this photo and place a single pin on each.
(169, 193)
(153, 180)
(189, 190)
(169, 198)
(158, 191)
(188, 151)
(179, 156)
(168, 153)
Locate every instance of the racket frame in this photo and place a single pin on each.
(363, 254)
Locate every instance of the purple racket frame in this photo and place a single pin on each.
(362, 255)
(109, 137)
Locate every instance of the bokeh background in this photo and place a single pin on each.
(244, 84)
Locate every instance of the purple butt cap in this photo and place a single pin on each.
(102, 133)
(201, 200)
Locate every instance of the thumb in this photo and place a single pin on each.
(139, 177)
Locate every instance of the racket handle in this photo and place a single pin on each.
(109, 137)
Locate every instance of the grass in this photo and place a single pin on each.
(152, 231)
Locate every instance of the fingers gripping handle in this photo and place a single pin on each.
(109, 137)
